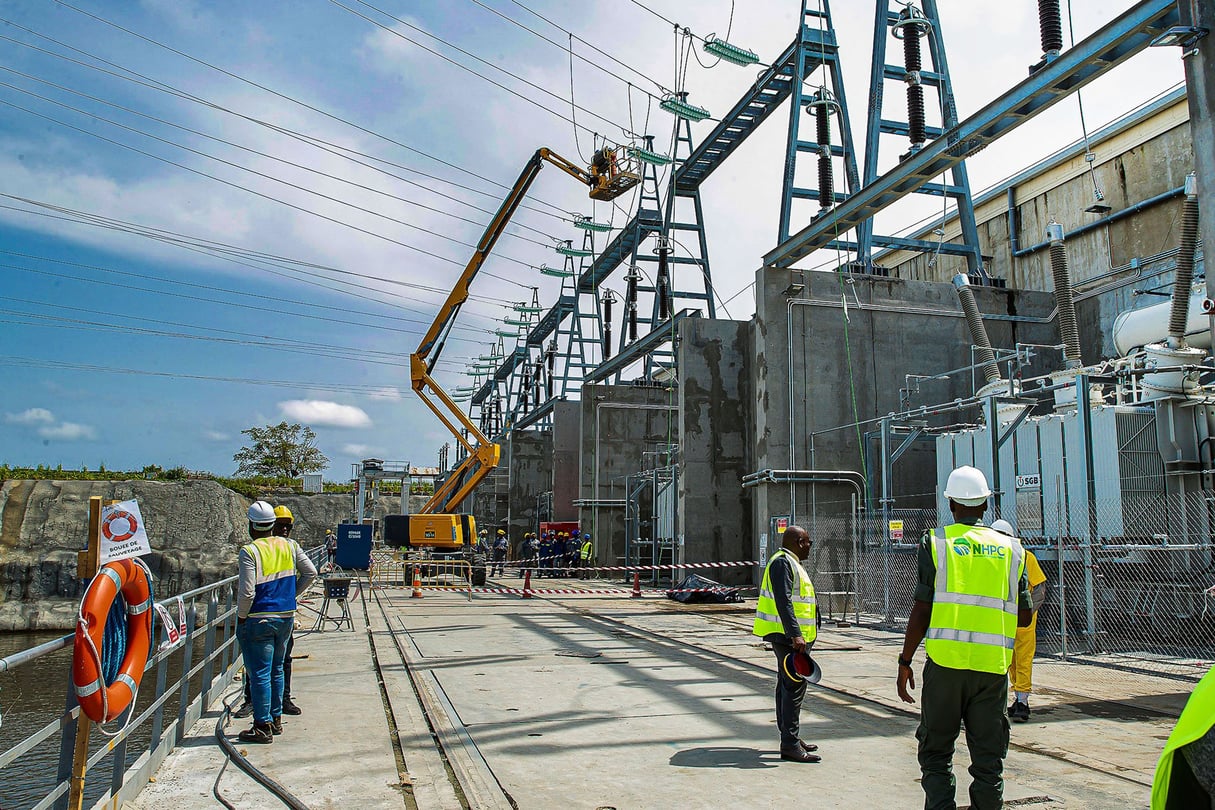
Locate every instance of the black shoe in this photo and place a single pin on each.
(276, 726)
(811, 747)
(800, 755)
(245, 710)
(289, 707)
(1019, 712)
(261, 733)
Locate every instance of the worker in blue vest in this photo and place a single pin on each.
(273, 570)
(971, 597)
(785, 618)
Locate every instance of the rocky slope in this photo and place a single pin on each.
(195, 527)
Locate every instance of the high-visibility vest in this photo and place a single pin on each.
(586, 551)
(767, 618)
(274, 586)
(974, 606)
(1195, 721)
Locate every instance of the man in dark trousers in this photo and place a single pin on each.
(971, 597)
(785, 618)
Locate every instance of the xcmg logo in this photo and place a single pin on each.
(964, 547)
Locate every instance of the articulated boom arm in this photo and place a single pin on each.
(605, 179)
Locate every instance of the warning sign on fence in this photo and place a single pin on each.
(896, 530)
(122, 532)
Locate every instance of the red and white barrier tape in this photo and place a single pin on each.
(583, 591)
(736, 564)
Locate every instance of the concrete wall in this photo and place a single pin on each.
(567, 440)
(620, 424)
(530, 473)
(714, 397)
(819, 370)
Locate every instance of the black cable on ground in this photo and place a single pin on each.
(234, 756)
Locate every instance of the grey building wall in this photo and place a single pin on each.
(530, 473)
(820, 369)
(622, 426)
(567, 439)
(714, 399)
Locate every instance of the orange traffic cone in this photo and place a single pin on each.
(527, 584)
(636, 583)
(417, 583)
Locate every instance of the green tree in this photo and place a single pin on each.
(281, 450)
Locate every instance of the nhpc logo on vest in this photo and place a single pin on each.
(964, 547)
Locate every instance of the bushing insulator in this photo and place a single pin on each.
(1050, 23)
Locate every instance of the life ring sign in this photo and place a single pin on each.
(102, 702)
(122, 532)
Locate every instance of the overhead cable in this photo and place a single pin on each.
(276, 93)
(250, 150)
(272, 178)
(268, 197)
(572, 35)
(444, 57)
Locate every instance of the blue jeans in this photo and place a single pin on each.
(263, 643)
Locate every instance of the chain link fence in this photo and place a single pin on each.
(1131, 585)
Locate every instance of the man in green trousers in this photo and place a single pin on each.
(971, 596)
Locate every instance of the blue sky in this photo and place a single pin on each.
(254, 209)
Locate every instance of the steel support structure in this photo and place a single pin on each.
(935, 78)
(815, 48)
(1108, 47)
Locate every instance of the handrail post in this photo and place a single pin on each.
(187, 659)
(86, 568)
(209, 647)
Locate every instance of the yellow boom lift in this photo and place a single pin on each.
(437, 527)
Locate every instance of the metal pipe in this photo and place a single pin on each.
(1097, 223)
(1179, 312)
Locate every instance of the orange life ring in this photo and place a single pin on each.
(101, 703)
(132, 525)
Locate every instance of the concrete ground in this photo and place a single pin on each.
(610, 702)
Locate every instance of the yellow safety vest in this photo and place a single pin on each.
(767, 618)
(974, 606)
(1196, 720)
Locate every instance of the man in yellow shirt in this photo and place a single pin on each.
(1021, 671)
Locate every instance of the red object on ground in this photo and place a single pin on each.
(527, 585)
(636, 583)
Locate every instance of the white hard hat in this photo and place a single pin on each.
(261, 515)
(1003, 527)
(967, 486)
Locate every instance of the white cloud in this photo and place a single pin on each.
(320, 412)
(31, 416)
(387, 392)
(67, 431)
(360, 450)
(215, 436)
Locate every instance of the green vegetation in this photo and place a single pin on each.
(280, 451)
(250, 487)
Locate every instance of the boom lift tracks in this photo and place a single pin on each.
(438, 527)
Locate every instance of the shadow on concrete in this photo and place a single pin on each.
(725, 756)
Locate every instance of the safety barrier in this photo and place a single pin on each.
(395, 571)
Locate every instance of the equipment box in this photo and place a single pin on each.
(353, 546)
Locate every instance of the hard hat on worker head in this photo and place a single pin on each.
(575, 533)
(967, 486)
(501, 532)
(284, 513)
(1004, 527)
(261, 515)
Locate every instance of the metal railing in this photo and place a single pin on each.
(202, 665)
